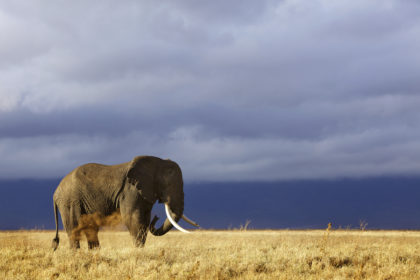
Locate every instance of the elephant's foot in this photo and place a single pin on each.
(93, 244)
(74, 244)
(92, 237)
(140, 239)
(139, 243)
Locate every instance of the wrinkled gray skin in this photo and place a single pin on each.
(132, 187)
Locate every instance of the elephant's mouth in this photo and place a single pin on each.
(169, 216)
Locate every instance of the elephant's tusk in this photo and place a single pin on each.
(191, 222)
(173, 221)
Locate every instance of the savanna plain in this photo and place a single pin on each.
(235, 254)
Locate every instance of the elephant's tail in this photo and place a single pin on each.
(56, 240)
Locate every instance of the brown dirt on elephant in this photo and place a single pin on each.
(89, 224)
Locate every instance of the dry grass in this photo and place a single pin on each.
(216, 255)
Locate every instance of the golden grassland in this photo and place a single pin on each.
(283, 254)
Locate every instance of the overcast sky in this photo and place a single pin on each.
(231, 90)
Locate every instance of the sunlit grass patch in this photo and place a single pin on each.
(317, 254)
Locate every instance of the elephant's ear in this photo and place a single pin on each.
(141, 174)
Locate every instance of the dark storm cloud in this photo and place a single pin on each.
(238, 90)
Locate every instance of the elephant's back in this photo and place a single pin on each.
(92, 179)
(98, 174)
(89, 172)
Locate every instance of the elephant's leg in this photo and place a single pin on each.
(137, 223)
(73, 229)
(69, 226)
(92, 237)
(142, 229)
(74, 244)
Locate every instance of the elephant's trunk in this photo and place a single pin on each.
(174, 212)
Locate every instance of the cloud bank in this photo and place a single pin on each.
(233, 91)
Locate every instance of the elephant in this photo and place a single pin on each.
(131, 188)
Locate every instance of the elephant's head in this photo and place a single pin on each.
(158, 179)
